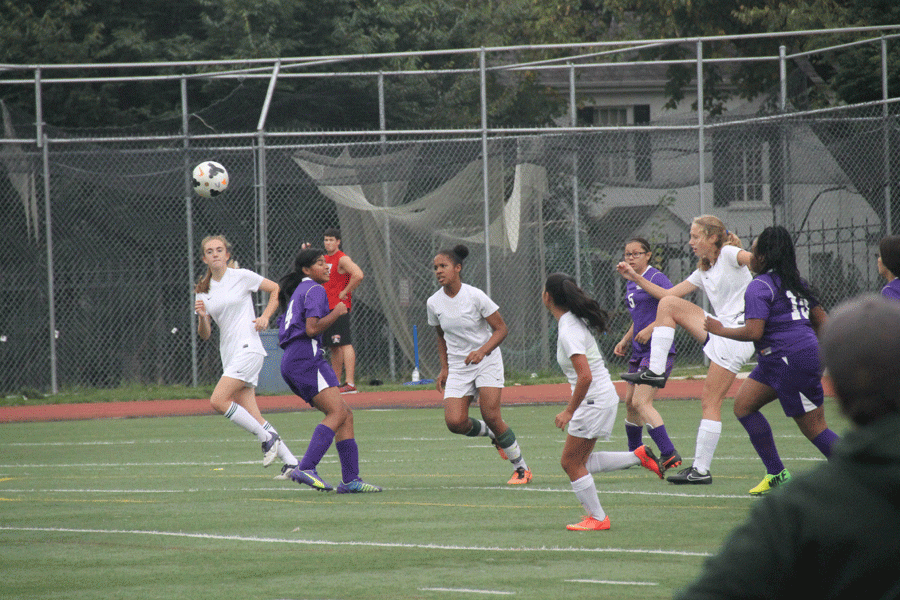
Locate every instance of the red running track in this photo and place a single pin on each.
(423, 397)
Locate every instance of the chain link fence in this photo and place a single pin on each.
(102, 235)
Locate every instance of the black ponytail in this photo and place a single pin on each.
(289, 282)
(565, 293)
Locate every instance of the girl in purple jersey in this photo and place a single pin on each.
(782, 319)
(639, 398)
(889, 266)
(310, 376)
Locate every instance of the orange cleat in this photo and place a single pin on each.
(590, 524)
(521, 476)
(648, 460)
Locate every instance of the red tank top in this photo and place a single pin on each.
(336, 282)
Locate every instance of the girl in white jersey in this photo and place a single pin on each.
(223, 295)
(723, 275)
(470, 329)
(591, 411)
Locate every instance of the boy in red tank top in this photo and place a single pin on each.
(345, 277)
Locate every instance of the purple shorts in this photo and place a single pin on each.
(796, 379)
(636, 363)
(307, 376)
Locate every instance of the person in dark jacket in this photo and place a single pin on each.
(831, 532)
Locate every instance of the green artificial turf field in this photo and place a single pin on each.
(181, 509)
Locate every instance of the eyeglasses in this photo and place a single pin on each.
(634, 254)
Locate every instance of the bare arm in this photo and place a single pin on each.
(356, 275)
(818, 317)
(582, 384)
(750, 332)
(743, 258)
(622, 346)
(680, 290)
(204, 321)
(498, 325)
(442, 355)
(315, 325)
(267, 285)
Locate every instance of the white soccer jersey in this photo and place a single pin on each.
(575, 338)
(463, 320)
(724, 284)
(230, 305)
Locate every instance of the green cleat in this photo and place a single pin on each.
(770, 482)
(357, 486)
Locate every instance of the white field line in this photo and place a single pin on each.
(292, 489)
(361, 544)
(466, 591)
(608, 582)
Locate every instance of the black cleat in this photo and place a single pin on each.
(690, 475)
(645, 377)
(669, 461)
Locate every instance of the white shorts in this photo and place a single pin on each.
(593, 421)
(728, 353)
(245, 367)
(465, 381)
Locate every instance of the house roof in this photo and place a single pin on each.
(613, 228)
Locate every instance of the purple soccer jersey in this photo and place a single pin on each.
(303, 366)
(308, 300)
(788, 327)
(892, 290)
(642, 307)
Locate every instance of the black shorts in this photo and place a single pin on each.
(339, 333)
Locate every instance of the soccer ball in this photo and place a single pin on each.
(210, 179)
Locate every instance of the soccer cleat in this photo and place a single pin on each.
(520, 477)
(690, 475)
(357, 486)
(270, 449)
(310, 478)
(348, 389)
(648, 460)
(499, 449)
(669, 461)
(770, 482)
(590, 524)
(285, 472)
(645, 377)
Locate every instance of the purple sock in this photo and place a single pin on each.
(824, 441)
(661, 437)
(761, 437)
(321, 440)
(349, 455)
(634, 434)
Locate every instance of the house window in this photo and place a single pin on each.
(609, 152)
(740, 170)
(749, 186)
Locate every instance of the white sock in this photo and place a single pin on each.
(284, 454)
(707, 439)
(586, 491)
(604, 462)
(514, 454)
(660, 344)
(238, 415)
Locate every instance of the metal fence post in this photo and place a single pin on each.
(576, 215)
(189, 223)
(482, 70)
(51, 292)
(888, 212)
